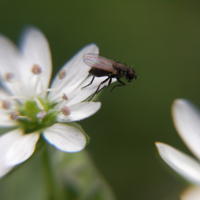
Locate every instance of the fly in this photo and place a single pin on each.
(101, 66)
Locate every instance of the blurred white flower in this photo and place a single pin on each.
(186, 117)
(191, 193)
(29, 106)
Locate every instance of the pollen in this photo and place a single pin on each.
(14, 115)
(65, 111)
(64, 97)
(9, 76)
(36, 69)
(41, 114)
(6, 105)
(62, 74)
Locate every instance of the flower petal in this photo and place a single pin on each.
(191, 193)
(5, 120)
(6, 141)
(80, 111)
(186, 119)
(65, 137)
(11, 62)
(81, 94)
(185, 165)
(21, 149)
(36, 49)
(76, 72)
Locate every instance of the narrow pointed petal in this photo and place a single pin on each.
(65, 138)
(36, 49)
(183, 164)
(21, 149)
(186, 119)
(80, 111)
(6, 141)
(191, 193)
(76, 72)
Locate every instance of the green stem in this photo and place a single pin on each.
(54, 188)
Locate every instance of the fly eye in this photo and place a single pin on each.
(130, 75)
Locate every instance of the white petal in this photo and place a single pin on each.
(6, 141)
(5, 120)
(186, 118)
(76, 72)
(3, 95)
(191, 193)
(11, 61)
(185, 165)
(64, 137)
(81, 94)
(21, 149)
(36, 49)
(80, 111)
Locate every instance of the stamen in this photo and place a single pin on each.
(51, 90)
(62, 74)
(36, 69)
(9, 76)
(14, 115)
(39, 104)
(41, 114)
(65, 111)
(40, 94)
(35, 79)
(48, 90)
(53, 110)
(38, 83)
(24, 117)
(62, 102)
(6, 105)
(64, 97)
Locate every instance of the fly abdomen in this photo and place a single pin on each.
(99, 72)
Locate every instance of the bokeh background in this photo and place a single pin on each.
(161, 39)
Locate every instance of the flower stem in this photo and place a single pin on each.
(54, 189)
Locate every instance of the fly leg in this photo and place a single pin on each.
(97, 90)
(122, 84)
(110, 81)
(89, 83)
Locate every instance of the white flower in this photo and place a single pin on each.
(191, 193)
(29, 106)
(186, 118)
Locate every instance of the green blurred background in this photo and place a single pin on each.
(161, 39)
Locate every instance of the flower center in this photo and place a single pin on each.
(33, 119)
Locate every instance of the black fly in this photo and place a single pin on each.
(101, 66)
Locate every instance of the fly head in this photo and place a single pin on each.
(130, 75)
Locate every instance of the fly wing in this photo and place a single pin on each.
(100, 62)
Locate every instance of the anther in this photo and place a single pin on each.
(36, 69)
(14, 115)
(65, 111)
(9, 76)
(64, 97)
(62, 74)
(6, 105)
(41, 114)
